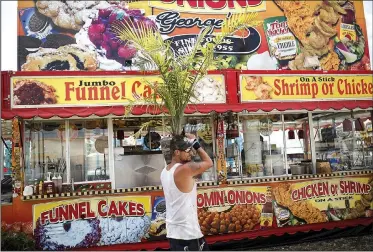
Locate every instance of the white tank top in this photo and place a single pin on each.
(181, 208)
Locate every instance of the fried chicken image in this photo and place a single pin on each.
(253, 82)
(313, 27)
(301, 209)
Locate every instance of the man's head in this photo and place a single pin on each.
(181, 149)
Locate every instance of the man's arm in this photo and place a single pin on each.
(200, 167)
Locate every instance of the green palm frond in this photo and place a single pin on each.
(179, 72)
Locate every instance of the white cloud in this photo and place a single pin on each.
(9, 33)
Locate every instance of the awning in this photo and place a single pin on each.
(67, 112)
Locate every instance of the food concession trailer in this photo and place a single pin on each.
(285, 114)
(279, 166)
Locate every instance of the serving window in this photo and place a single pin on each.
(267, 145)
(343, 141)
(83, 157)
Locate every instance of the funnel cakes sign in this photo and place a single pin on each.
(37, 92)
(64, 225)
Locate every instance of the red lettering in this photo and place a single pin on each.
(295, 195)
(140, 210)
(214, 4)
(123, 84)
(80, 94)
(90, 214)
(370, 88)
(217, 4)
(231, 197)
(82, 209)
(69, 87)
(53, 215)
(113, 210)
(132, 208)
(115, 93)
(200, 200)
(263, 199)
(147, 91)
(93, 93)
(239, 197)
(100, 205)
(43, 217)
(135, 85)
(64, 213)
(73, 212)
(249, 197)
(256, 198)
(364, 87)
(277, 87)
(122, 208)
(105, 93)
(339, 88)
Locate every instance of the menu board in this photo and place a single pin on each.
(294, 35)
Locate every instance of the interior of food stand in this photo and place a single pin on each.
(256, 145)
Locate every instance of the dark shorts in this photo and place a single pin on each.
(188, 245)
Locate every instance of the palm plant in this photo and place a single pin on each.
(178, 72)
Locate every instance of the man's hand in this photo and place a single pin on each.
(191, 137)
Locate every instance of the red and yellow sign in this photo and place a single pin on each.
(232, 209)
(323, 200)
(305, 87)
(60, 91)
(91, 222)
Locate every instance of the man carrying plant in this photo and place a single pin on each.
(180, 190)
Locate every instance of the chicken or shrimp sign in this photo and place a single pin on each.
(305, 87)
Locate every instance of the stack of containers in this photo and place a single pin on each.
(252, 147)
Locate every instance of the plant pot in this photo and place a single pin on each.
(166, 151)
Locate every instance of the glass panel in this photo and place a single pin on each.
(262, 150)
(271, 130)
(343, 141)
(89, 150)
(6, 141)
(138, 161)
(297, 144)
(44, 150)
(6, 160)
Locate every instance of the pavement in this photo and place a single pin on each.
(355, 243)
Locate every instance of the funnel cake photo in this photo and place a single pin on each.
(33, 92)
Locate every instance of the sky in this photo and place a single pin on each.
(9, 33)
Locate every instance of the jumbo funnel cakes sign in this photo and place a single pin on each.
(305, 87)
(63, 91)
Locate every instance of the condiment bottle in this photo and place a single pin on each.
(48, 185)
(41, 191)
(59, 183)
(55, 182)
(36, 187)
(266, 217)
